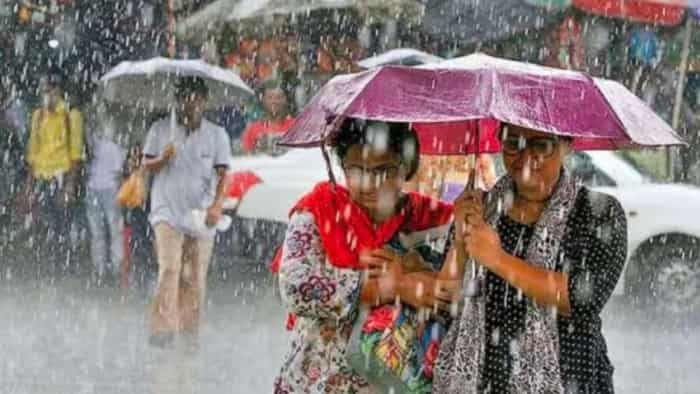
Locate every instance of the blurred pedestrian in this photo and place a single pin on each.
(139, 238)
(105, 217)
(564, 46)
(261, 134)
(13, 138)
(188, 158)
(55, 153)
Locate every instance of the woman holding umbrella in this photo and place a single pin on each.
(553, 252)
(336, 233)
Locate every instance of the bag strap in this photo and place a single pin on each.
(66, 123)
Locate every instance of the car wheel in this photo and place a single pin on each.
(666, 278)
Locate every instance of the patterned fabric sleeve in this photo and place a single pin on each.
(309, 285)
(593, 280)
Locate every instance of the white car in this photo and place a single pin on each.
(663, 260)
(663, 266)
(284, 179)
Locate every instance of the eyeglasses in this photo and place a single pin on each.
(384, 172)
(543, 147)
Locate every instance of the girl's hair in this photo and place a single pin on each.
(401, 140)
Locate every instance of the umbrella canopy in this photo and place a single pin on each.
(598, 114)
(247, 9)
(669, 14)
(250, 9)
(402, 56)
(550, 3)
(240, 182)
(474, 21)
(199, 23)
(151, 83)
(246, 12)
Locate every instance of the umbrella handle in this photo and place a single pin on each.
(471, 284)
(331, 122)
(327, 159)
(173, 124)
(472, 182)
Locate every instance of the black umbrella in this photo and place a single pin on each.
(473, 21)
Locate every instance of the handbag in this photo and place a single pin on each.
(394, 346)
(132, 193)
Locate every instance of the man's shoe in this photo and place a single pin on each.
(161, 340)
(190, 342)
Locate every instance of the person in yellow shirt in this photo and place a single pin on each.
(54, 155)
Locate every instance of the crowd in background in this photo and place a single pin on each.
(285, 64)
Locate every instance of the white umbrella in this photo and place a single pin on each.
(207, 19)
(247, 9)
(403, 56)
(151, 83)
(252, 9)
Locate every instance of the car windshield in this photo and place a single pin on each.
(635, 165)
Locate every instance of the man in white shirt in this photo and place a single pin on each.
(189, 159)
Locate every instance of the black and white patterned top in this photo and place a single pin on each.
(593, 254)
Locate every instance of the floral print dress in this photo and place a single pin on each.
(324, 299)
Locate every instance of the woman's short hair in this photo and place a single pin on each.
(401, 140)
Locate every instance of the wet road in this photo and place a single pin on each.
(67, 339)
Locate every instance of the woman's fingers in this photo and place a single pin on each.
(467, 200)
(378, 255)
(473, 221)
(367, 258)
(468, 212)
(448, 291)
(376, 271)
(467, 205)
(384, 254)
(470, 195)
(379, 262)
(472, 210)
(375, 266)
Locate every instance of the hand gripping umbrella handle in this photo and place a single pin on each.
(471, 283)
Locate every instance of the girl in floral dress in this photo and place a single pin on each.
(333, 257)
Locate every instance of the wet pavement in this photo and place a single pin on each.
(66, 338)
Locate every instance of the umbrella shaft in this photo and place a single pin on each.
(172, 48)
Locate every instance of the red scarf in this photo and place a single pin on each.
(346, 230)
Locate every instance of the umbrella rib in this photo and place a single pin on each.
(617, 118)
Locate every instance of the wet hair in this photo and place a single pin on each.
(54, 78)
(186, 86)
(402, 141)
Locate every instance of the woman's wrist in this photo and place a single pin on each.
(494, 261)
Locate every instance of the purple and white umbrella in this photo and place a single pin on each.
(444, 100)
